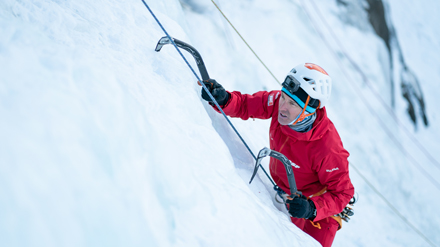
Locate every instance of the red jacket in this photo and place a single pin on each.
(319, 154)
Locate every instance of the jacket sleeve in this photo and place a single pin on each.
(258, 105)
(333, 173)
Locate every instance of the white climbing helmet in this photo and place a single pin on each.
(313, 79)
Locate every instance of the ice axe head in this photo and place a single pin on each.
(163, 41)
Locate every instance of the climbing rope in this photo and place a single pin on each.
(392, 207)
(245, 42)
(207, 91)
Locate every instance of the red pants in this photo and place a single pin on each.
(325, 235)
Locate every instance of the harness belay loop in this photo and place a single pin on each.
(348, 211)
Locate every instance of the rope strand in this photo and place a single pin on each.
(246, 42)
(392, 207)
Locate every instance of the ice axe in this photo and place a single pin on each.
(287, 165)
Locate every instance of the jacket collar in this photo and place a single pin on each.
(319, 128)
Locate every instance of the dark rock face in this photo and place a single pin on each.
(376, 16)
(409, 83)
(372, 14)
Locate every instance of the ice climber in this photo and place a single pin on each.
(301, 130)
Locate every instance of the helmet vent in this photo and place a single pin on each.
(311, 82)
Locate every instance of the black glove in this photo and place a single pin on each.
(217, 91)
(300, 207)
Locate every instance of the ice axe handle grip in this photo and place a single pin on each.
(293, 196)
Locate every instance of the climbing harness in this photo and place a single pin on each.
(348, 210)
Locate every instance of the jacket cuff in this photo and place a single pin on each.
(312, 205)
(229, 96)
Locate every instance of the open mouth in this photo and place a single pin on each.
(282, 115)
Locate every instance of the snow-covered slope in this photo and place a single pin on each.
(104, 142)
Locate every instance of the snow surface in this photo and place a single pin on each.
(104, 142)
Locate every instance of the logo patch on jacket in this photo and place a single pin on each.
(294, 165)
(334, 169)
(270, 100)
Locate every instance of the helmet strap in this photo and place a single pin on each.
(302, 116)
